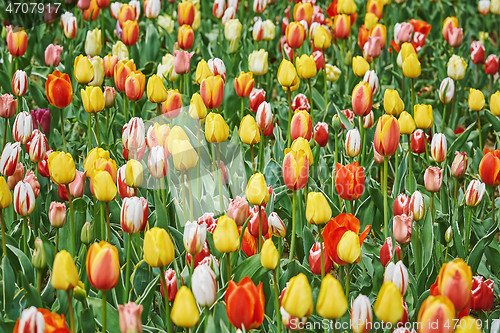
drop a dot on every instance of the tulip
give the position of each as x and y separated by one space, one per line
121 71
23 127
301 125
264 116
59 90
397 274
177 133
171 107
389 307
393 104
243 84
17 41
342 26
258 30
387 136
185 37
185 13
372 79
109 97
217 67
386 251
447 90
269 257
306 66
342 242
43 168
360 66
182 61
433 179
92 157
362 98
103 266
318 209
249 132
332 303
287 76
438 310
455 37
204 285
67 275
218 8
468 324
303 11
184 156
456 67
92 12
24 198
257 96
254 224
8 106
83 69
482 294
411 66
475 193
120 50
158 248
232 31
109 63
134 85
361 314
403 33
238 210
332 73
295 35
157 162
495 103
252 296
423 116
349 181
93 43
126 13
448 25
130 317
69 26
459 165
57 214
61 167
321 134
257 62
489 168
134 215
194 237
256 190
439 148
92 99
315 259
322 38
455 282
401 205
32 180
297 300
37 146
476 100
495 7
212 92
406 123
19 83
226 237
98 66
103 185
483 6
353 143
477 52
295 169
216 129
124 191
373 47
152 8
417 206
402 228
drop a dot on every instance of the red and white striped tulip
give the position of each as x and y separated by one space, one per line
397 274
124 191
24 199
133 135
264 116
23 127
417 208
475 193
353 142
10 158
439 147
134 215
194 236
157 162
38 146
19 83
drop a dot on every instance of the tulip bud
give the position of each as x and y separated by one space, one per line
301 102
397 274
184 310
433 178
475 192
336 123
332 73
353 143
455 37
264 116
439 148
321 135
361 314
447 90
297 300
418 141
483 6
87 234
482 294
417 208
20 83
423 116
204 285
387 251
24 198
359 66
448 235
39 260
79 292
276 226
194 237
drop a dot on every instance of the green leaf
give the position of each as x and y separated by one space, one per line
427 238
478 250
348 125
9 283
32 296
459 142
248 267
38 95
146 298
112 323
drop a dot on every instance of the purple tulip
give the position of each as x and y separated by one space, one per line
43 118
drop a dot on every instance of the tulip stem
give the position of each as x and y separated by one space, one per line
325 87
418 255
467 231
242 112
127 274
386 218
191 208
277 299
311 99
133 108
493 206
89 132
362 136
198 167
426 150
191 269
396 169
221 197
288 134
104 308
25 237
228 263
57 240
183 190
4 244
444 117
98 134
61 115
410 157
70 310
479 129
294 225
125 110
253 158
260 230
108 224
5 125
347 281
102 221
72 223
412 97
432 207
261 151
167 304
39 280
322 253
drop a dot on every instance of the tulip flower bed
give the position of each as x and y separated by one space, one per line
252 165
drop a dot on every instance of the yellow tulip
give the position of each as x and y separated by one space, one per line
393 104
104 186
297 300
92 99
406 50
202 71
256 191
495 104
360 66
98 65
83 69
476 100
456 67
468 324
226 236
411 66
184 310
318 209
257 62
184 156
332 73
306 66
347 7
348 248
269 256
64 273
93 42
423 116
322 38
197 108
371 20
92 156
61 167
156 91
406 123
331 303
216 129
158 248
287 76
389 306
5 194
134 173
177 133
303 144
249 131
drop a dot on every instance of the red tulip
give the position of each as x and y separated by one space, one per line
477 52
349 181
301 102
482 294
401 205
491 65
257 96
489 168
315 259
418 141
387 135
321 134
10 158
386 251
245 304
171 280
17 41
253 224
342 26
205 252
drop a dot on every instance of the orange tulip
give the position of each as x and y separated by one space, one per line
122 70
59 90
295 35
362 36
17 41
436 314
185 13
455 282
245 304
248 243
92 10
362 99
387 135
295 169
109 63
134 85
130 33
103 266
349 181
185 37
376 7
342 240
303 11
126 13
53 322
172 106
489 168
212 91
379 31
301 126
342 26
243 84
449 24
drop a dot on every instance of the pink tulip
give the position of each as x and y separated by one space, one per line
404 33
57 214
109 96
402 228
83 4
433 179
238 210
8 106
16 177
401 205
130 317
76 188
31 179
182 61
455 37
459 165
374 48
491 65
53 55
